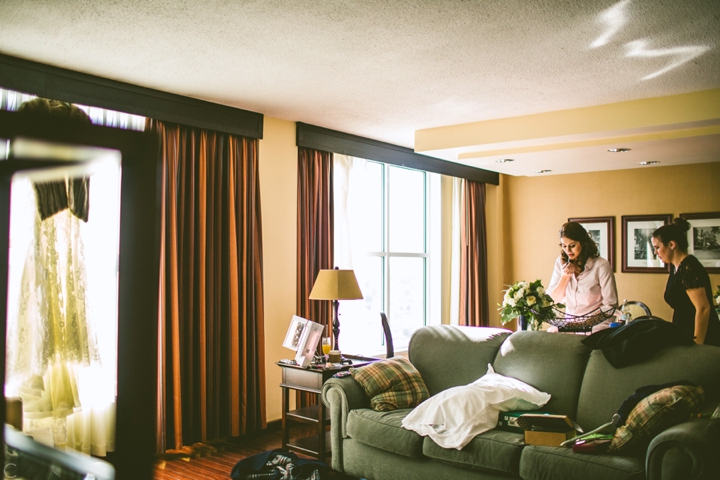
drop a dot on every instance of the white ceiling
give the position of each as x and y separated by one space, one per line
385 69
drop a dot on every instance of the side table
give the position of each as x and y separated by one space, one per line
310 379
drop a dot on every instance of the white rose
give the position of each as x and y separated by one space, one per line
520 293
531 300
541 291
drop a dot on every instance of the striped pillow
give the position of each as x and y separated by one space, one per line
391 384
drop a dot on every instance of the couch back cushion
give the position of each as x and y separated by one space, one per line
449 356
551 362
606 387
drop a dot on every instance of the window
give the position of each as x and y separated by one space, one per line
387 230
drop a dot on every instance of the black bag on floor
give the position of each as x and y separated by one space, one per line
278 464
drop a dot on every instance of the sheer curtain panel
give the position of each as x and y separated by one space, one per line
211 363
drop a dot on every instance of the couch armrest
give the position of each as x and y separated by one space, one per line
690 450
341 395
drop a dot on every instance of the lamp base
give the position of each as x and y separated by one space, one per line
336 324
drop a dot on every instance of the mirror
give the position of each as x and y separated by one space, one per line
106 267
61 332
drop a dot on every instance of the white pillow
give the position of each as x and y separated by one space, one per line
453 417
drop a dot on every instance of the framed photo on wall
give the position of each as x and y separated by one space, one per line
638 255
602 231
704 239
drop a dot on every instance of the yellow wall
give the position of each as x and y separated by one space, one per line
523 218
278 191
534 208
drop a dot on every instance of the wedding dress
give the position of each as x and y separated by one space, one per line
49 335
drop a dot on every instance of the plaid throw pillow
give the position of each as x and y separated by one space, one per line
655 413
391 384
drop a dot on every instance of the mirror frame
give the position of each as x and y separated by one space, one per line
138 274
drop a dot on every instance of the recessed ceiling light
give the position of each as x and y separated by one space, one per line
543 171
504 160
618 150
653 162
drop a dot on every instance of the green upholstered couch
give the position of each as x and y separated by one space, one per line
583 385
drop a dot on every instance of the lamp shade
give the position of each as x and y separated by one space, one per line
336 285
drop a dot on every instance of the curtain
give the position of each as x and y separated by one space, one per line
345 204
352 179
457 187
315 217
11 100
211 341
473 263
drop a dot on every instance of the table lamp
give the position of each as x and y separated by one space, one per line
336 285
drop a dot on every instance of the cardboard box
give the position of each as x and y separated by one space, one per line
546 430
548 439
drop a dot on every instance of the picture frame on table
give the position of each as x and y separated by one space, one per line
602 231
294 332
704 239
303 336
638 255
308 344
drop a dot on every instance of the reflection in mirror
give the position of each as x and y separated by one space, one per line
61 355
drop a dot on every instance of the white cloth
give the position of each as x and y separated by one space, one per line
453 417
592 289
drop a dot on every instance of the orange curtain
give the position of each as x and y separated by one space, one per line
315 242
211 339
473 260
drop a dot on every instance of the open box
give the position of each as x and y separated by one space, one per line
547 430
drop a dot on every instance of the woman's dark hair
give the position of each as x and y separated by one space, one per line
575 231
674 232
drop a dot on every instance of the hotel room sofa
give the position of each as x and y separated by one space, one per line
374 445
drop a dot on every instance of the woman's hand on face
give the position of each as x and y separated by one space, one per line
569 269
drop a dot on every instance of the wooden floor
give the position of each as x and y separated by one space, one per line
218 465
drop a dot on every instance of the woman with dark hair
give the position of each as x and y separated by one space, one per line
688 289
581 279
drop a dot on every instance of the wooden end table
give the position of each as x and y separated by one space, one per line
311 380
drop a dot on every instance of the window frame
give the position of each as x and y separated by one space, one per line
386 254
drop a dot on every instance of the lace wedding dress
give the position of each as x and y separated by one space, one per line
49 335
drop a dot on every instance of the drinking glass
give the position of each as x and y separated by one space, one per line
326 345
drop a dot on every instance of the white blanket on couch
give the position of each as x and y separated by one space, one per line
453 417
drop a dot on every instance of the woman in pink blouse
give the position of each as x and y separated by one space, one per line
581 279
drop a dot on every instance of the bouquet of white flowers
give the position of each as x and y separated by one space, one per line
530 301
